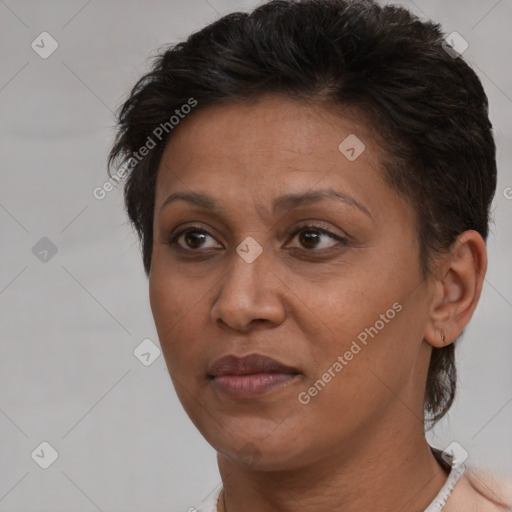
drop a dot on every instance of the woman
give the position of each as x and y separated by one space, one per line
311 184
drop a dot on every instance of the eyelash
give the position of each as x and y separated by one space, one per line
308 227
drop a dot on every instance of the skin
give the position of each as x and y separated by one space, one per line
360 441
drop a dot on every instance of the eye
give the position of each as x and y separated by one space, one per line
194 238
311 235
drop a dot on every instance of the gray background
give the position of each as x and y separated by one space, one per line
70 325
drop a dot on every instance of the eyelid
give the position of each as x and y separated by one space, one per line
318 226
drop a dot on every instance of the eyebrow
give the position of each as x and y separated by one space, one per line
283 203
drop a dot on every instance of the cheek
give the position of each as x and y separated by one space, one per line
173 314
366 340
169 294
354 381
163 301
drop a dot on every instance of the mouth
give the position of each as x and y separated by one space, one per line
250 376
253 385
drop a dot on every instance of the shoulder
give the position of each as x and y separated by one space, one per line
481 491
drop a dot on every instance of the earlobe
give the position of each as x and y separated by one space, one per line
457 289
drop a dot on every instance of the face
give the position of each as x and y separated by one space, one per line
330 286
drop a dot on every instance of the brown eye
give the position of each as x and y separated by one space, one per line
194 238
311 236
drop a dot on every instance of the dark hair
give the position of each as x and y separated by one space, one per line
428 105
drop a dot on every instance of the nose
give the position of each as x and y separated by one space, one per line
250 295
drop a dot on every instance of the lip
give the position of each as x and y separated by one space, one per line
250 376
247 365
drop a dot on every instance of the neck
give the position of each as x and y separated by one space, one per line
376 474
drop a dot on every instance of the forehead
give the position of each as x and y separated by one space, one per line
250 151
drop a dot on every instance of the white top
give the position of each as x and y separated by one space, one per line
437 505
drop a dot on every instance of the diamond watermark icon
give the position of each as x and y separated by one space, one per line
44 250
249 453
249 249
351 147
44 45
454 454
45 455
455 45
147 352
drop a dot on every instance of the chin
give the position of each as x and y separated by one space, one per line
273 453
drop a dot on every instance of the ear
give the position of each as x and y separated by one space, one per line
457 284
